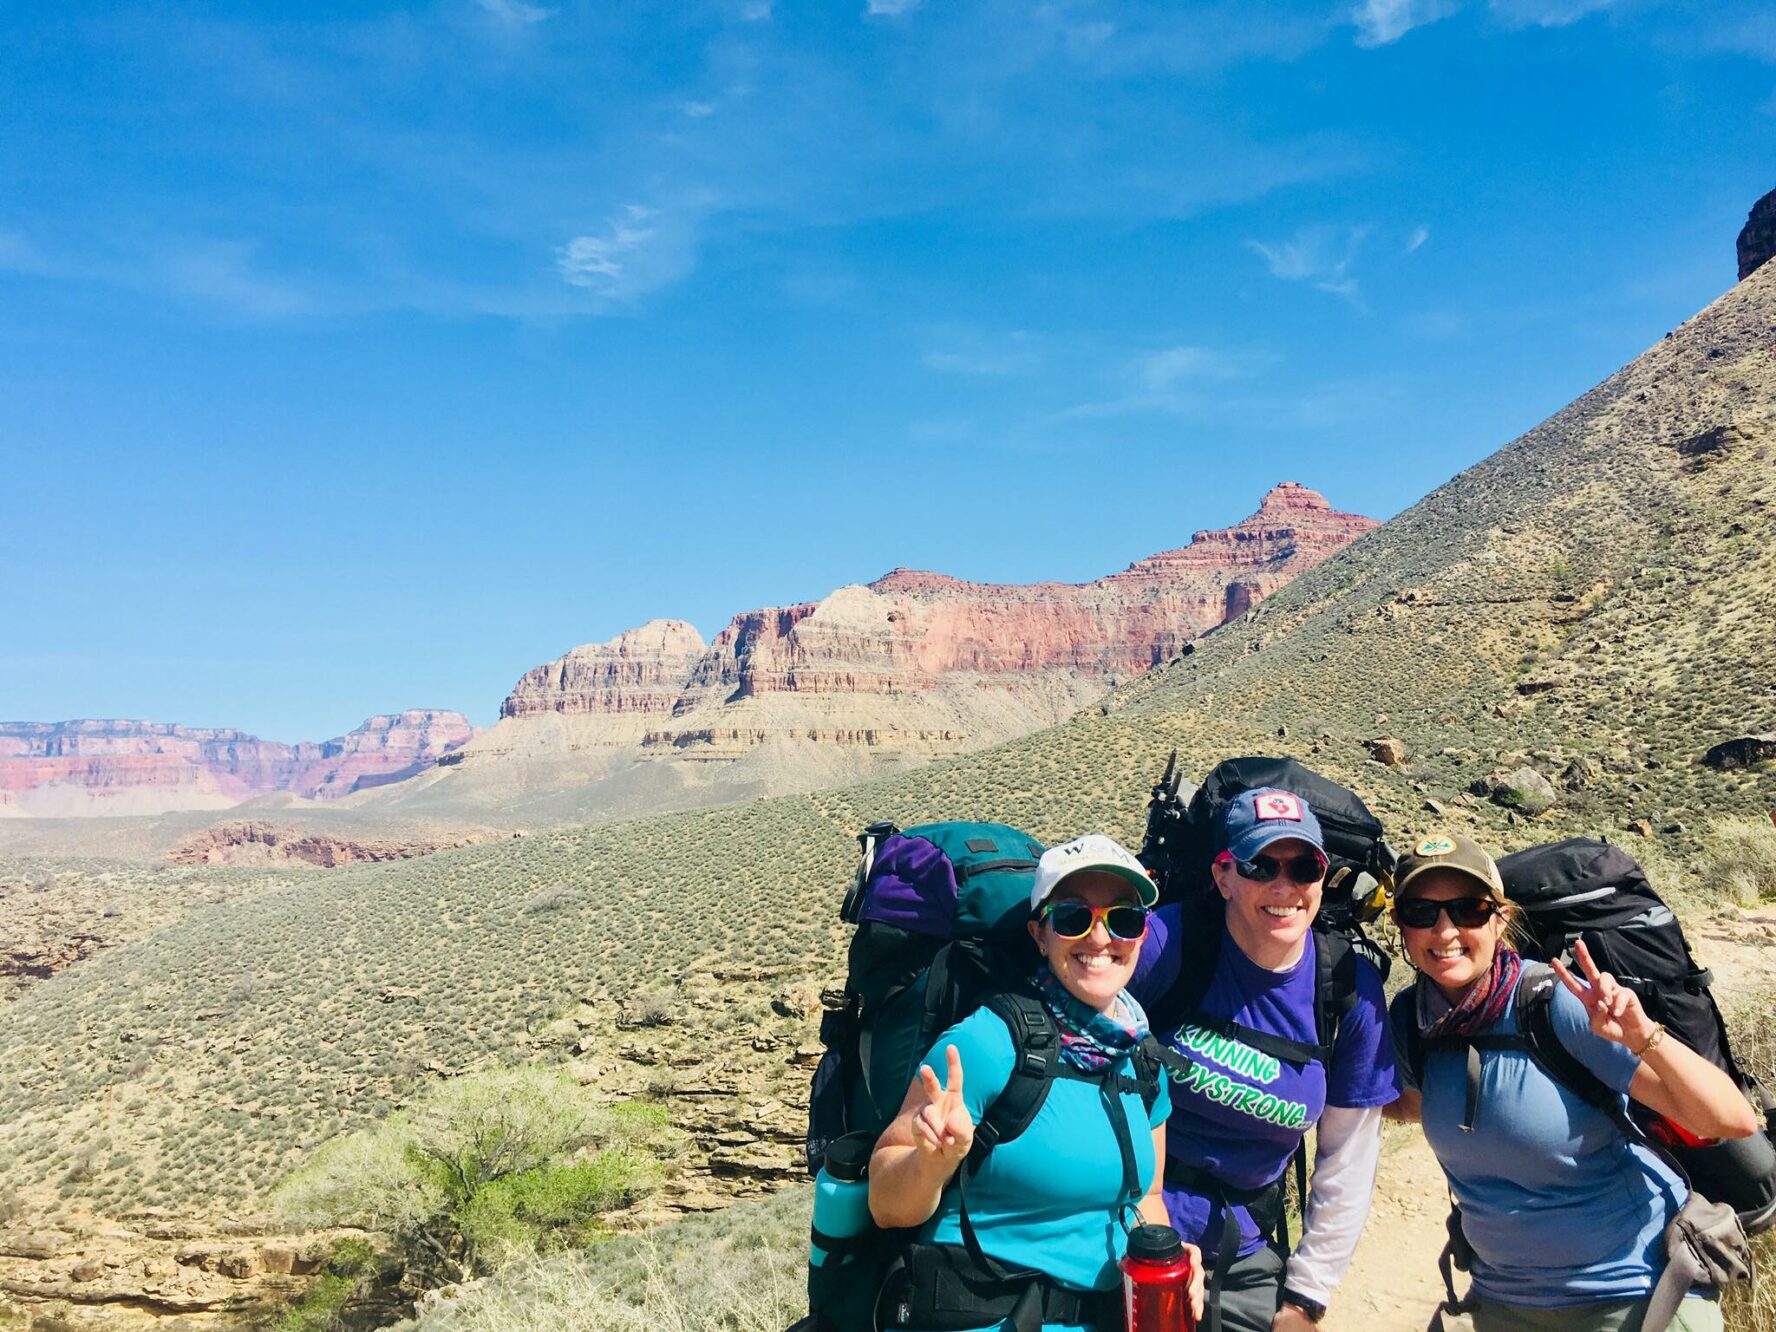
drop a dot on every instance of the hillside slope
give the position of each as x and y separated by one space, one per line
1598 590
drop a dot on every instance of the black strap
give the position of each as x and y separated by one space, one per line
938 1287
1266 1204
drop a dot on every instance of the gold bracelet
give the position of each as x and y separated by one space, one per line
1652 1042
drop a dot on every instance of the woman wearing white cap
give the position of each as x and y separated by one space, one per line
1565 1214
1040 1221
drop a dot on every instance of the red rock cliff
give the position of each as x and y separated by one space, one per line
136 767
911 632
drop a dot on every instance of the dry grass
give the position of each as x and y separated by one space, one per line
1753 1308
740 1270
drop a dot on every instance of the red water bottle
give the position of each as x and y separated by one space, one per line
1156 1282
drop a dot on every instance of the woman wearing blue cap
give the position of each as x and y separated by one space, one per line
1280 1030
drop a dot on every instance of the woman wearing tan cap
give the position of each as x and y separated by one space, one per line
1564 1212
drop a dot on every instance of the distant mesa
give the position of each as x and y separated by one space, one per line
72 768
1757 241
912 667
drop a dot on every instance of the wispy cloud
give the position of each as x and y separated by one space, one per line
1319 256
1163 369
969 353
1545 13
1183 380
517 13
891 7
1418 237
1380 22
640 250
756 11
697 110
224 274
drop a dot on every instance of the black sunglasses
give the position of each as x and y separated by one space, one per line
1301 869
1420 913
1074 920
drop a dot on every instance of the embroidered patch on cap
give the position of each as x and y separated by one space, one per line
1434 846
1279 805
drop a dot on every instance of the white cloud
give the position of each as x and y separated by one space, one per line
517 13
1161 370
1418 237
640 250
1382 21
224 275
1319 256
1544 13
972 354
891 8
755 11
697 110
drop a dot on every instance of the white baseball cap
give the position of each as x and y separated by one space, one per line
1094 851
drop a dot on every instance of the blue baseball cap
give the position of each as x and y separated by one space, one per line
1252 820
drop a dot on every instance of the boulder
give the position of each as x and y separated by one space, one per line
1741 752
1757 241
1386 751
1521 790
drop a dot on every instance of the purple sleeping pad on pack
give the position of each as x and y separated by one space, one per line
912 886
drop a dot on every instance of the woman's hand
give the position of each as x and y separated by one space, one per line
1613 1009
1196 1282
942 1128
1290 1319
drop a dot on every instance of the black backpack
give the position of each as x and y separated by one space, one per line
1584 889
1178 849
1739 1173
940 913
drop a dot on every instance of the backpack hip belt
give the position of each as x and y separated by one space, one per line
940 1287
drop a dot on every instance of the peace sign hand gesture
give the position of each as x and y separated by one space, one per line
1613 1009
942 1128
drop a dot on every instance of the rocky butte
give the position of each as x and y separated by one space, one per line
59 769
912 667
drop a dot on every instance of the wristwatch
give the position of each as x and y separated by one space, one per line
1314 1310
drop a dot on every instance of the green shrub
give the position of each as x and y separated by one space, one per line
487 1168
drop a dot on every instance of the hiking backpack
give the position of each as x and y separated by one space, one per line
1178 849
1584 889
1715 1248
940 914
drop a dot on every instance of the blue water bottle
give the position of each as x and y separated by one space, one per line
841 1198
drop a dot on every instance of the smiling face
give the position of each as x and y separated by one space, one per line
1450 956
1270 921
1096 968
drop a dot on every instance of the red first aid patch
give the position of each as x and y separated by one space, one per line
1279 805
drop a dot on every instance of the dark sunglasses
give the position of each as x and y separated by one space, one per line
1301 869
1420 913
1074 920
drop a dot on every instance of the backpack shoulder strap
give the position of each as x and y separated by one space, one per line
1200 927
1036 1049
1408 1039
1535 1021
1335 985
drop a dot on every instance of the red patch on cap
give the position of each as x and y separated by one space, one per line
1279 805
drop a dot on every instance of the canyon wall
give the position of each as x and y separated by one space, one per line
911 667
69 768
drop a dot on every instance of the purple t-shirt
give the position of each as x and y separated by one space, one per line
1241 1113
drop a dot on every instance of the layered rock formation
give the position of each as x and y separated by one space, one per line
1757 241
134 767
911 667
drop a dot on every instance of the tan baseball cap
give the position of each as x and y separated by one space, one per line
1440 850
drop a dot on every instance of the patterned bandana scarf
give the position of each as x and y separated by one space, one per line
1090 1040
1482 1005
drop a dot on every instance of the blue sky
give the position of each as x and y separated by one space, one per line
363 357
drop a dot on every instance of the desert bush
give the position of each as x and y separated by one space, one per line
1753 1308
1739 861
486 1169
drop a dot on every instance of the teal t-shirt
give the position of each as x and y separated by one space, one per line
1051 1198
